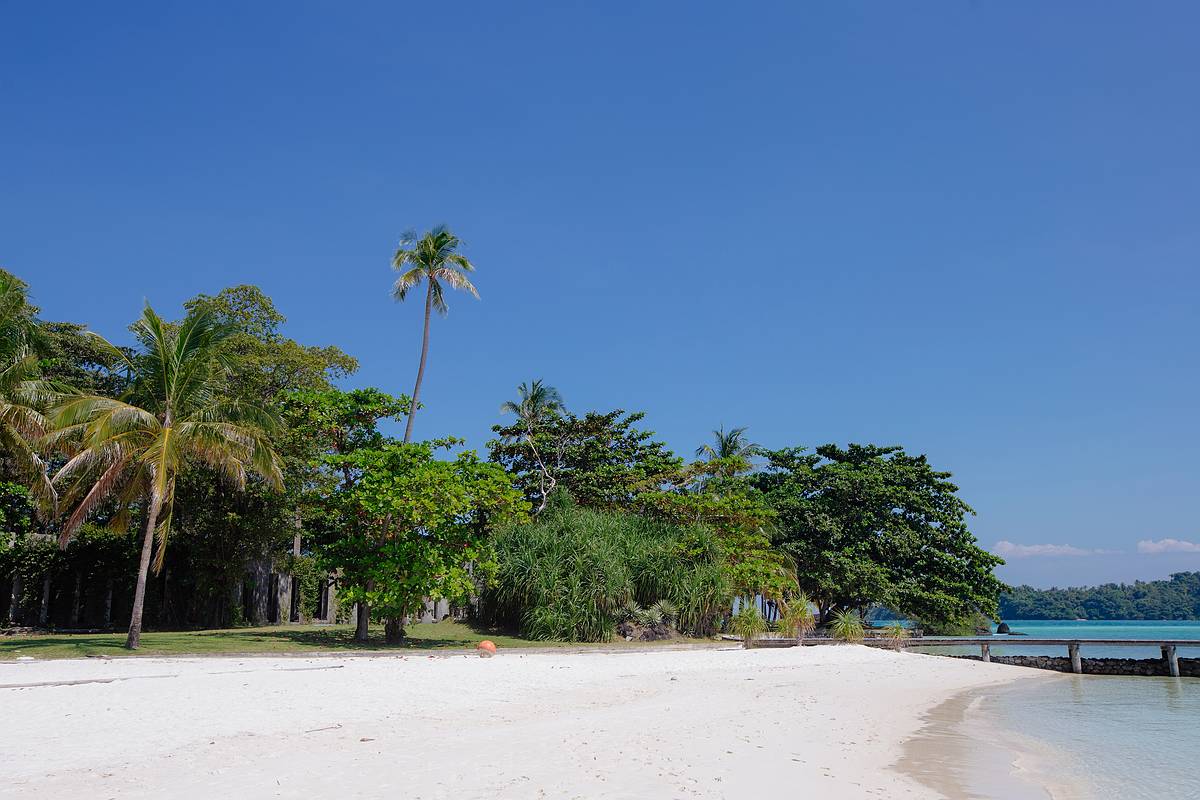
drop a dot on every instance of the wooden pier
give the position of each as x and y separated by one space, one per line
1168 647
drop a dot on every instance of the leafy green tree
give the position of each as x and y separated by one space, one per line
874 525
602 459
71 356
1176 598
264 365
416 526
133 452
434 259
224 536
538 405
335 424
738 512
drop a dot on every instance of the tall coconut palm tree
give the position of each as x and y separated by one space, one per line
538 402
24 396
434 259
131 451
731 447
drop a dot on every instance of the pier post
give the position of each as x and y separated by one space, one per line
1172 660
986 650
1076 662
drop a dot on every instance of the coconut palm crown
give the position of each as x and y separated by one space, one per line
538 402
130 451
732 448
433 259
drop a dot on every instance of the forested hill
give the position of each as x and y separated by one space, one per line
1177 598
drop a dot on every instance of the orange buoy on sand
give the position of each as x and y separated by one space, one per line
486 648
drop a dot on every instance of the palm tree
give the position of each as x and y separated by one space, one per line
23 394
538 403
731 447
433 258
131 452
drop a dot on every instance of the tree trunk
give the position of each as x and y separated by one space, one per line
77 604
394 630
362 631
108 603
14 606
44 612
139 594
421 367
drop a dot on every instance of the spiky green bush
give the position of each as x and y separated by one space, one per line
847 626
797 618
572 574
749 624
667 611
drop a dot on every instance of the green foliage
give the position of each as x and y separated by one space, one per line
896 633
967 625
730 451
739 514
24 394
797 619
574 572
263 364
1176 598
603 460
874 525
413 526
749 624
847 626
666 611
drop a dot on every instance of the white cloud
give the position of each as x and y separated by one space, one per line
1152 547
1010 550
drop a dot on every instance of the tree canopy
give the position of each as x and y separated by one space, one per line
874 525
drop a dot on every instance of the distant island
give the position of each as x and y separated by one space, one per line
1176 598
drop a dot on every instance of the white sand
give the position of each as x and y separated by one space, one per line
819 722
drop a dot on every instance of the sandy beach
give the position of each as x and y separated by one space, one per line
820 722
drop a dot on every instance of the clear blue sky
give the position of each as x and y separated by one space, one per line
968 228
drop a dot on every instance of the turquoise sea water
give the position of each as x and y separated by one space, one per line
1122 738
1099 629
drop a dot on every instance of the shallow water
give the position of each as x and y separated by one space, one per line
1070 736
1124 738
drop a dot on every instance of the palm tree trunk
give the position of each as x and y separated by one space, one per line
395 626
421 367
139 594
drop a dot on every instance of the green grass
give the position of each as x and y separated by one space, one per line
275 639
292 639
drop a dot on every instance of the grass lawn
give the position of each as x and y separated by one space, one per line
275 639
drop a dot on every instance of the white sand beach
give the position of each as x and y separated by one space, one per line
821 722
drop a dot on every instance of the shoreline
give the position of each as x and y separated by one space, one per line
704 723
965 753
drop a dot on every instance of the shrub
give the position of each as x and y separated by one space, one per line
797 618
847 626
896 633
749 624
572 574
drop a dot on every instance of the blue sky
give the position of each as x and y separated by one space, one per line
967 228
